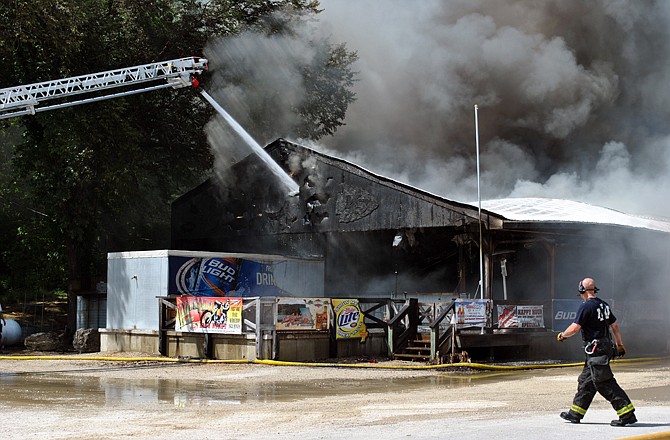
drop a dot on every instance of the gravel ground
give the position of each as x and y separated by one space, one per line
93 399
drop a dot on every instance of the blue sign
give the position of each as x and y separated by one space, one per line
565 312
221 277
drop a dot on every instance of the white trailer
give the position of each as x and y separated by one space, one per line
135 280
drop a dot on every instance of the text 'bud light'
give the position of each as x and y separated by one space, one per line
217 276
561 314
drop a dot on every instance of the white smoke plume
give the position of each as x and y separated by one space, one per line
256 79
572 97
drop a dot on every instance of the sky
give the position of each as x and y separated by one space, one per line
572 96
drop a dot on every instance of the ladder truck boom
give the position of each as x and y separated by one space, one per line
26 99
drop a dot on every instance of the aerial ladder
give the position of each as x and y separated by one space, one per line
32 98
182 72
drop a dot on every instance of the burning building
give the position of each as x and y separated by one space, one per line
380 238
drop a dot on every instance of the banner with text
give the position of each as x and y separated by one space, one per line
349 320
236 277
209 315
303 313
473 312
565 312
529 316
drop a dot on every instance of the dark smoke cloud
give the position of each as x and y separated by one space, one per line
572 97
572 100
573 103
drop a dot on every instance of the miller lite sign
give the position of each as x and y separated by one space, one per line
349 320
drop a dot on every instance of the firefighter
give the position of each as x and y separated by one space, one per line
594 319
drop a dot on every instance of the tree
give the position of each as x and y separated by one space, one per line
328 80
103 175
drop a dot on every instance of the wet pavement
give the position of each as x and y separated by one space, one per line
62 388
86 391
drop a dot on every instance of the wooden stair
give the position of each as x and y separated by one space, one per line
417 350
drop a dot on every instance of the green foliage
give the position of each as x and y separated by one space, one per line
328 80
18 298
79 182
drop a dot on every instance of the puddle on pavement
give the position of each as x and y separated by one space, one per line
56 389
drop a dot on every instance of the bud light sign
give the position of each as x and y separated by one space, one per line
565 312
221 277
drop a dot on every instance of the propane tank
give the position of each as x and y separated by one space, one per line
11 333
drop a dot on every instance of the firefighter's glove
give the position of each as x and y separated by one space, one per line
620 349
561 338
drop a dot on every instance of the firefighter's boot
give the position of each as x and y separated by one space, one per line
628 419
570 417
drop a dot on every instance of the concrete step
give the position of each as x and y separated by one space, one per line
411 357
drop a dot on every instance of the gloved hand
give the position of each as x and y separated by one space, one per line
621 350
561 338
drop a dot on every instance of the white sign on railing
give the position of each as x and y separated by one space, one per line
473 312
510 316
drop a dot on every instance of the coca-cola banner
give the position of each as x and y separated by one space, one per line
303 313
209 315
349 320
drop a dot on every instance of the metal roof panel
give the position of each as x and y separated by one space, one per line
568 211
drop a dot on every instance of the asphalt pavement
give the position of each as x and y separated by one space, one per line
653 423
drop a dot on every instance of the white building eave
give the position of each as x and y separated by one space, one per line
542 210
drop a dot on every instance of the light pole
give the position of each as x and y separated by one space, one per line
479 201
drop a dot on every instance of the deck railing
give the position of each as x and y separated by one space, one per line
259 315
399 319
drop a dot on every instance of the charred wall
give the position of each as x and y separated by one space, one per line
340 212
368 263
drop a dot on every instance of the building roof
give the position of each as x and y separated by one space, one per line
536 210
521 210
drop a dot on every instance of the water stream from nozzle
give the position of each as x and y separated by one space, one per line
284 178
